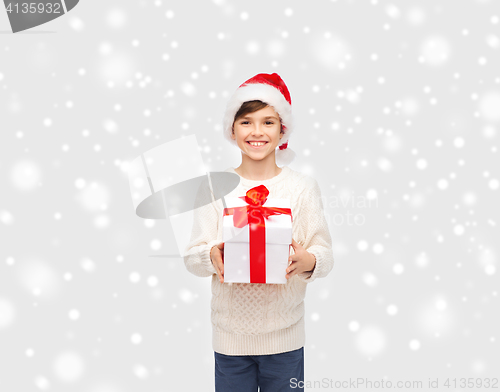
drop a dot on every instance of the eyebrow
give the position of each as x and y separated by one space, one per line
265 118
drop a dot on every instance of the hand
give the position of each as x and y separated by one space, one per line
217 258
302 260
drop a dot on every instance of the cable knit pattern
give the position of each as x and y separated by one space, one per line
261 319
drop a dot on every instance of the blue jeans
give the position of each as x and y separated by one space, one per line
272 373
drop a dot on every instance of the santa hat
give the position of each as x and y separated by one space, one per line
271 89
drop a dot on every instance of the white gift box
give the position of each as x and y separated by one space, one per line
278 239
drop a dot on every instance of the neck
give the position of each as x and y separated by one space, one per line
264 169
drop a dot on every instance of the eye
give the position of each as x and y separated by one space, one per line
243 122
269 122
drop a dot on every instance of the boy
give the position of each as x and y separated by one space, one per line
258 331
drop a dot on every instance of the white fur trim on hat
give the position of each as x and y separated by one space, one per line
265 93
284 157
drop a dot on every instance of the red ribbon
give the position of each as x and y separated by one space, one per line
253 215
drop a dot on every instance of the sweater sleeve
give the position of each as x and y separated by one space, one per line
317 239
204 236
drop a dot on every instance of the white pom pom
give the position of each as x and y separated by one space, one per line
284 157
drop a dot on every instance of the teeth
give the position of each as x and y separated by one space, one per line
257 144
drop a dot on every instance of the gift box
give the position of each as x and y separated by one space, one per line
257 235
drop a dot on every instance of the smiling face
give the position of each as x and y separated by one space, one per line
261 126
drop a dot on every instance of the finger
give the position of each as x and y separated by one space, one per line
216 266
292 270
292 266
221 266
221 249
221 269
218 274
217 269
290 274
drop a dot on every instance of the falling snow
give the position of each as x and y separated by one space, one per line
398 117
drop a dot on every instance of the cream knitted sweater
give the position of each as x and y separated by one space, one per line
259 319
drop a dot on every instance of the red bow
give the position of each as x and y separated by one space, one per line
253 215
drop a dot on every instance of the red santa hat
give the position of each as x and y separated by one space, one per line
271 89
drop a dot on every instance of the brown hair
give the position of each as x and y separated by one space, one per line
250 107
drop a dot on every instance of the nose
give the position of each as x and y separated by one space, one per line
257 130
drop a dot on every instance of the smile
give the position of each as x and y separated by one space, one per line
257 145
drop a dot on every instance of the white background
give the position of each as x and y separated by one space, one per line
397 106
